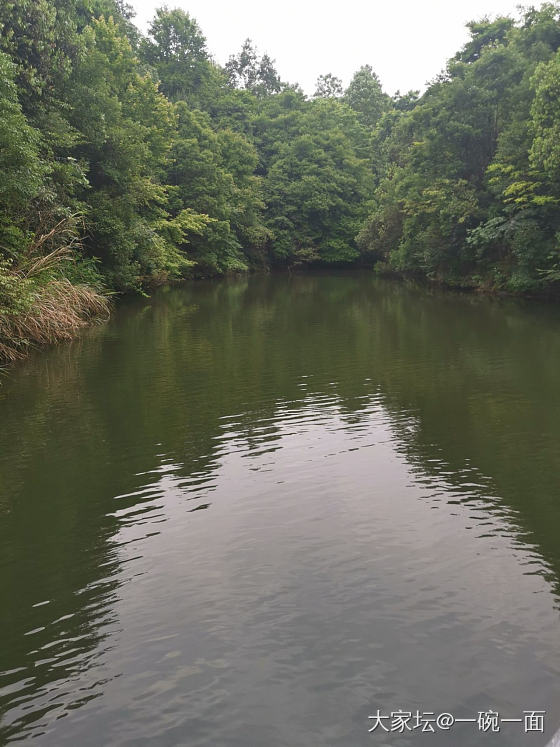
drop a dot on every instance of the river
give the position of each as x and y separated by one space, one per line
258 511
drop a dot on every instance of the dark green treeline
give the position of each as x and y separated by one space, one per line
134 159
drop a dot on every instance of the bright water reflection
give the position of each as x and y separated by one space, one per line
252 512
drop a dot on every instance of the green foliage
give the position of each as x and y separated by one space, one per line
317 185
124 141
468 177
179 166
545 121
213 173
21 169
365 96
484 34
246 70
176 48
328 86
16 291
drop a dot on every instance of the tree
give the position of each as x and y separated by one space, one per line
176 48
123 144
545 120
468 174
246 70
365 96
21 170
213 174
484 34
328 86
317 186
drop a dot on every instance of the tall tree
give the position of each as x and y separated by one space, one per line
328 86
176 48
365 96
258 75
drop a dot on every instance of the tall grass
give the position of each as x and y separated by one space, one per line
38 303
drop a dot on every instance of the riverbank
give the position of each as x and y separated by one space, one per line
39 313
35 311
481 287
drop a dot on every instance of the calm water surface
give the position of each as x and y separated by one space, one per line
253 512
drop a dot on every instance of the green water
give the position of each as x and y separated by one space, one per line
254 511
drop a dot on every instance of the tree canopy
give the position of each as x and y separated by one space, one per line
166 164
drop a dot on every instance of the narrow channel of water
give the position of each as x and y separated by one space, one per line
255 511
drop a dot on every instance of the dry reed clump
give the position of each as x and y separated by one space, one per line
46 308
58 311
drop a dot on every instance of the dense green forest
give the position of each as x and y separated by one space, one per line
129 160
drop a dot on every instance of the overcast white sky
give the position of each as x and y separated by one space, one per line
405 41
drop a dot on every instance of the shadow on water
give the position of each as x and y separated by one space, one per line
92 429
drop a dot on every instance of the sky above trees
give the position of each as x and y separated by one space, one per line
405 41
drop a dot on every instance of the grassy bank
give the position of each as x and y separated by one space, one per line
48 295
57 312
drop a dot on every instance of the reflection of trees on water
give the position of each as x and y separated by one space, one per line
171 379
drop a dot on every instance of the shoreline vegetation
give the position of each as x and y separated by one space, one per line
128 161
41 304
